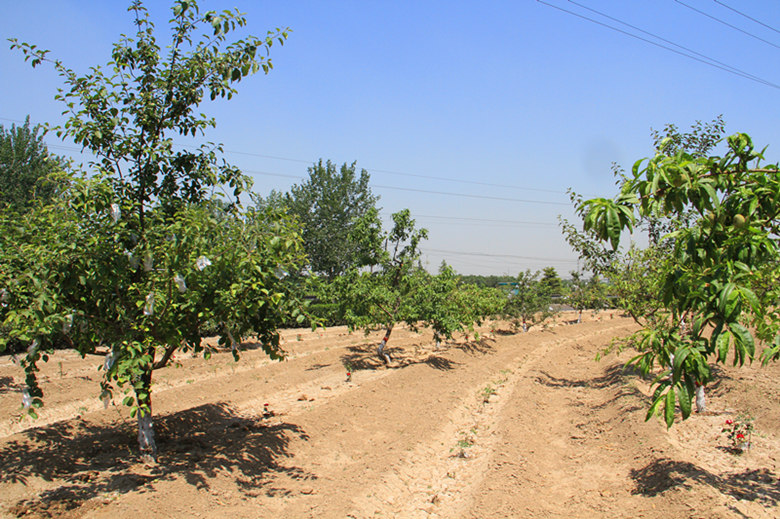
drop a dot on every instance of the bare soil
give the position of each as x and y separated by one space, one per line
510 425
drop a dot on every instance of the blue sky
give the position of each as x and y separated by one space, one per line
507 104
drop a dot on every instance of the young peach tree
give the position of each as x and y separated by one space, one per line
720 291
139 259
380 296
393 287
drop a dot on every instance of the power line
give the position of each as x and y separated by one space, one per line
492 255
428 191
727 24
416 175
466 195
747 16
482 220
431 177
713 60
700 60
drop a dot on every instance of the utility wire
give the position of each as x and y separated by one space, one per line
466 195
483 220
431 177
706 62
491 255
379 186
727 24
389 172
301 177
713 60
747 16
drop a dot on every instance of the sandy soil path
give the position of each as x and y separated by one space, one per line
515 425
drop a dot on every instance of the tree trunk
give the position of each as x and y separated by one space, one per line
381 348
146 442
701 401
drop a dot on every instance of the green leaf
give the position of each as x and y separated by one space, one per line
685 400
722 345
669 407
654 407
751 298
743 341
728 302
679 359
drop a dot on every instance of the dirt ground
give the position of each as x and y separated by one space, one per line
512 425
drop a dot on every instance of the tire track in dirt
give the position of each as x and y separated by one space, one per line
435 482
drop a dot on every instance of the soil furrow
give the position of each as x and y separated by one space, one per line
438 482
544 431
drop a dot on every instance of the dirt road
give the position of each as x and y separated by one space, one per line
512 425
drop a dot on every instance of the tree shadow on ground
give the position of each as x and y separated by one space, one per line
614 375
365 357
315 367
196 444
7 385
482 346
757 485
504 331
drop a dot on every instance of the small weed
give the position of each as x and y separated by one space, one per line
190 381
487 392
464 443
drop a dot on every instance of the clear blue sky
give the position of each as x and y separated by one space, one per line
516 94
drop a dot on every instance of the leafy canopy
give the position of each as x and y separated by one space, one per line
143 258
722 269
330 204
26 167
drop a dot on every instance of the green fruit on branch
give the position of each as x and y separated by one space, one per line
739 221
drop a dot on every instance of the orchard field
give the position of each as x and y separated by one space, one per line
510 425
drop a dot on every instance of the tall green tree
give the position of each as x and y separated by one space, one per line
26 167
329 204
138 258
551 282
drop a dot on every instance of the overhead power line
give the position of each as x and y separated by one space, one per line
491 255
467 195
416 175
429 191
747 16
727 24
430 177
482 220
707 61
739 72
